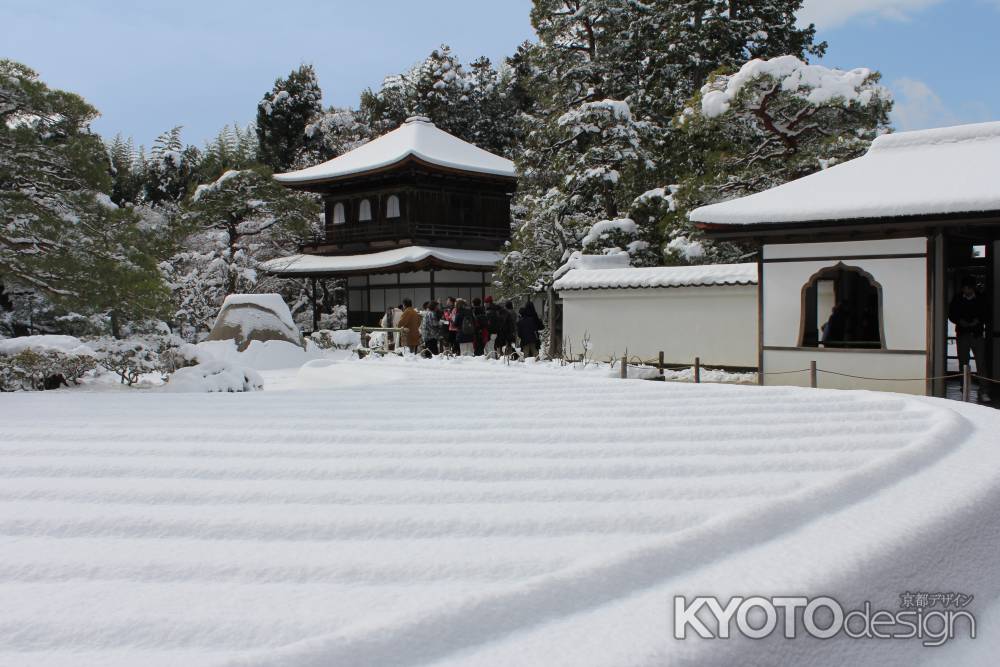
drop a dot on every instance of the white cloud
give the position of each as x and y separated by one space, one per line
832 13
918 107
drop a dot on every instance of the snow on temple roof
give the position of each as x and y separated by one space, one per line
417 137
928 172
387 259
659 276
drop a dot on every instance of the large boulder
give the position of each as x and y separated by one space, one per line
245 318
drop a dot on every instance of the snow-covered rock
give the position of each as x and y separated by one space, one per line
214 376
245 318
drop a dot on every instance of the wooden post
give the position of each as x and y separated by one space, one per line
697 369
966 383
624 368
812 374
659 364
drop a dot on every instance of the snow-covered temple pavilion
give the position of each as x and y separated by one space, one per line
879 245
415 213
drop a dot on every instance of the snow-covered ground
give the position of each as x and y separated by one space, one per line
463 512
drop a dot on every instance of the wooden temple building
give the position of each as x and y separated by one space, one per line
416 213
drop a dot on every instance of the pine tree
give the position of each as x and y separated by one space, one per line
773 121
648 57
63 237
282 117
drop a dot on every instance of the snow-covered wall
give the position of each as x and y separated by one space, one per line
899 266
717 323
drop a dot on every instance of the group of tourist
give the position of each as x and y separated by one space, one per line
482 327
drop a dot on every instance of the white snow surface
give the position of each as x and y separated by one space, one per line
417 137
212 376
350 514
261 355
924 172
658 276
306 264
46 342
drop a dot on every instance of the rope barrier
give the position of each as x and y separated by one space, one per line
862 377
802 370
983 377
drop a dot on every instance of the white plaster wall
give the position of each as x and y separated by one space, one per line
903 281
846 248
899 367
904 314
718 324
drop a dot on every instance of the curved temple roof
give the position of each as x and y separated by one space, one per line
387 261
417 137
952 170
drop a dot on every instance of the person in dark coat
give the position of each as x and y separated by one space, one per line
465 324
527 332
506 330
482 327
968 312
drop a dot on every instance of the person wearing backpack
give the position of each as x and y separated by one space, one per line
506 330
527 331
482 333
465 323
492 325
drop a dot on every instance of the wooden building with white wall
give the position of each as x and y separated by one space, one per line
885 238
416 213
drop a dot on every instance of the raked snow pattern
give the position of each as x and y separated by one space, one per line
348 522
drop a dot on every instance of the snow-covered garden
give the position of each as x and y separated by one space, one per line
463 511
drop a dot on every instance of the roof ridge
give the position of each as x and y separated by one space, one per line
938 135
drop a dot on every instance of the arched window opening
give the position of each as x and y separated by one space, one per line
365 211
339 216
392 207
842 308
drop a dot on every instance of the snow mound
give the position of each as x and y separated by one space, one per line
260 355
46 343
245 318
214 376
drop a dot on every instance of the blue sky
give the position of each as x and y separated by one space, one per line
151 65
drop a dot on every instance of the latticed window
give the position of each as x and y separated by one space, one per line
365 211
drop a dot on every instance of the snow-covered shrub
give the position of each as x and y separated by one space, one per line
344 339
215 376
129 359
174 357
37 369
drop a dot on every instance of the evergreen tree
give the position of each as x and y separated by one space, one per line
473 104
127 173
770 122
282 117
649 57
62 236
171 170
